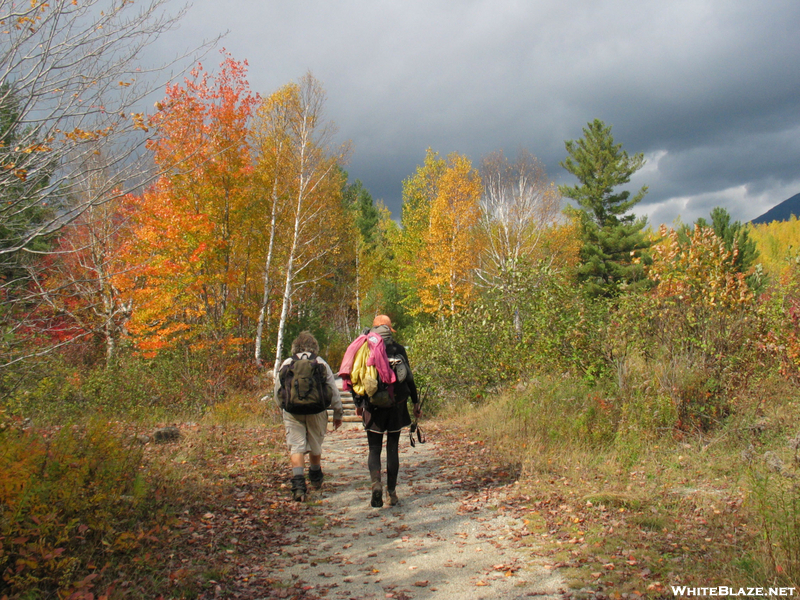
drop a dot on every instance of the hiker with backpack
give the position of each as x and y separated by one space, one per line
304 389
382 405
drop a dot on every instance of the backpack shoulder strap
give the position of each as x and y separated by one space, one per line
285 367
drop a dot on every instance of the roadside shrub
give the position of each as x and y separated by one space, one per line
68 501
53 391
239 408
547 325
547 414
466 357
47 387
693 338
565 329
781 308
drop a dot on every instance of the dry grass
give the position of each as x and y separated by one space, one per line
621 509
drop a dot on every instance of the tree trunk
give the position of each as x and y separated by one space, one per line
287 288
358 284
262 313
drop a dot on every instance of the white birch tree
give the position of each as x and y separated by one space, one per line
519 204
315 201
77 71
272 129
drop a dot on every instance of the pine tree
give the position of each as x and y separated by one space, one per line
611 237
730 231
366 215
364 218
32 170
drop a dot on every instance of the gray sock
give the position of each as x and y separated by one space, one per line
297 471
315 467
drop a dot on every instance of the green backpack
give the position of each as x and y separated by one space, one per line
303 389
382 398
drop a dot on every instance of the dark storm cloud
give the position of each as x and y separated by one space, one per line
708 90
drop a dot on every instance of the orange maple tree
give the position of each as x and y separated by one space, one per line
190 255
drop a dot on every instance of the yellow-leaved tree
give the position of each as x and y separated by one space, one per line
778 245
271 138
700 314
314 211
438 248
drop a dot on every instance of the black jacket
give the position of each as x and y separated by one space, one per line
395 417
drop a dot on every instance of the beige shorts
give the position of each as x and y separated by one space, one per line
304 433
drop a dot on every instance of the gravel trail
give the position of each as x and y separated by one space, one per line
445 540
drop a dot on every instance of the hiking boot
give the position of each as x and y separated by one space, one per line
393 499
315 478
377 495
299 488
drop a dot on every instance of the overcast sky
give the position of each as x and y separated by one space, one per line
708 90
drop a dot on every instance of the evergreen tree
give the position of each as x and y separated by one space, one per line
356 197
611 237
375 286
19 217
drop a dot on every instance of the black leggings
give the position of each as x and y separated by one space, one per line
392 457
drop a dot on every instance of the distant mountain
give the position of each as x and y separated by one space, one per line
781 212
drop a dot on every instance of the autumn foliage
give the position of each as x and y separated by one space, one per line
251 232
71 501
170 295
188 259
439 247
699 273
176 297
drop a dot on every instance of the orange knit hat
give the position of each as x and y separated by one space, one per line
382 320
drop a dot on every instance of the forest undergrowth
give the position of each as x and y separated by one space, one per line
102 508
96 510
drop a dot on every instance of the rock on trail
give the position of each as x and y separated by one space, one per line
443 541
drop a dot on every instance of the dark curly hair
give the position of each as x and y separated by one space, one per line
305 342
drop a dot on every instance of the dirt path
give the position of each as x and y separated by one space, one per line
447 539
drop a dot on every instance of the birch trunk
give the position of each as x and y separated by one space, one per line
358 283
304 139
273 127
311 165
262 313
287 288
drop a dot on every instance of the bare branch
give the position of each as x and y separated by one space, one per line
74 75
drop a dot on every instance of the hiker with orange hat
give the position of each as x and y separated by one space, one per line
389 420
